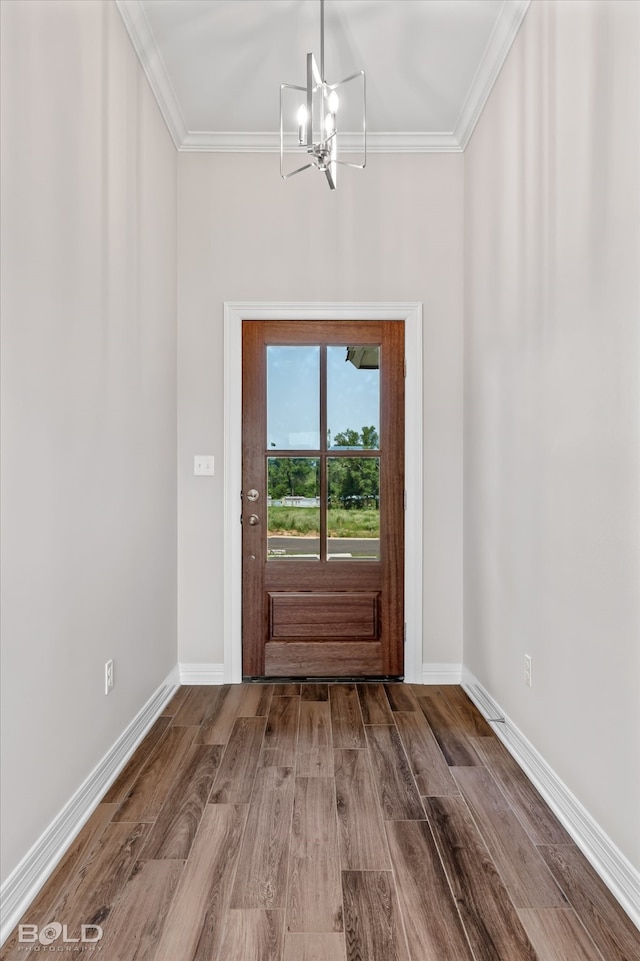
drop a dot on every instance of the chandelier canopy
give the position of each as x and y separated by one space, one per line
309 124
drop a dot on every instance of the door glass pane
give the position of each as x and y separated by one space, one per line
353 397
353 514
293 398
293 508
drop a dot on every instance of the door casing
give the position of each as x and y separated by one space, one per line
234 314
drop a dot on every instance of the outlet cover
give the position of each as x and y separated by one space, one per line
108 676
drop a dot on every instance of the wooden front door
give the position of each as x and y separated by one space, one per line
323 499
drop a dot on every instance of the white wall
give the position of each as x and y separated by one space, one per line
88 401
552 338
390 233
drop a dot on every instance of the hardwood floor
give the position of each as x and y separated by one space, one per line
327 822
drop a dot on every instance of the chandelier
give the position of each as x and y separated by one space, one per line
315 130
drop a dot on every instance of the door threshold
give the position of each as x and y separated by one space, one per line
342 679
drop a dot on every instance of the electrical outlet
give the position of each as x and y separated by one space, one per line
108 676
527 670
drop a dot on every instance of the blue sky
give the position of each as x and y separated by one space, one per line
293 396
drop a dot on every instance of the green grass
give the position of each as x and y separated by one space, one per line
365 523
295 520
305 521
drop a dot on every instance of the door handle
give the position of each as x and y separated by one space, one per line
253 520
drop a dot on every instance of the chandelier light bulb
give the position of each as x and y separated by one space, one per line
302 124
333 102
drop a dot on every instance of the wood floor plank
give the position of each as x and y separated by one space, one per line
399 798
197 704
372 925
432 923
609 927
234 779
456 747
80 850
314 947
315 753
216 727
346 717
374 704
429 767
176 702
360 827
558 935
314 692
286 690
255 700
40 911
149 791
401 697
525 875
120 787
193 928
252 935
261 875
432 690
136 924
96 887
281 734
540 823
314 899
488 915
172 834
227 877
470 720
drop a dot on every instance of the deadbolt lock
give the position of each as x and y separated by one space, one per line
252 495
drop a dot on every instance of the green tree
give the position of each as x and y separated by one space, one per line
292 476
352 482
367 438
370 438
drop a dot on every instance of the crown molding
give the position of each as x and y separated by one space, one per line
504 33
507 25
144 44
266 142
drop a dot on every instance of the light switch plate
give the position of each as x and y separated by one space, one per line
203 465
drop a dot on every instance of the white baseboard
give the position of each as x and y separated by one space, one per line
620 876
201 673
24 882
441 673
214 673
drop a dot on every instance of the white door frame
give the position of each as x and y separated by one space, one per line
234 314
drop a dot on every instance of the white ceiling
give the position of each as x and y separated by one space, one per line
216 66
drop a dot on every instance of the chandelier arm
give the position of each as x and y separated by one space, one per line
354 76
298 171
348 163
